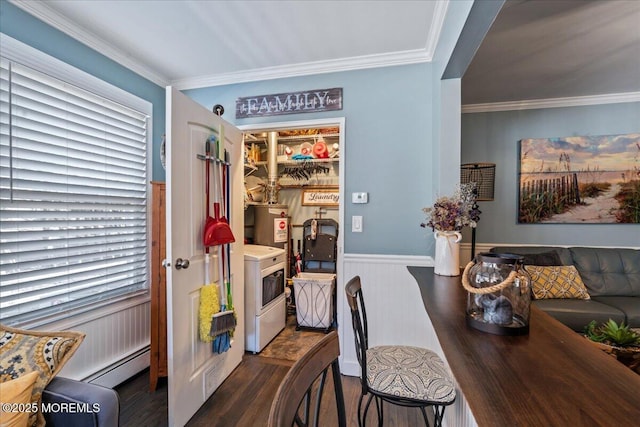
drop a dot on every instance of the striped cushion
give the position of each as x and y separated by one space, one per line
409 372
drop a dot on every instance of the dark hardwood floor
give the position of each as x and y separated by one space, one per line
244 400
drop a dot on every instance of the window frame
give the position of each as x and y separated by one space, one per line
16 51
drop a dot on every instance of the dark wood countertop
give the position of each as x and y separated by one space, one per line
550 377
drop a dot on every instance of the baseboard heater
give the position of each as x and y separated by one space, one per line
122 370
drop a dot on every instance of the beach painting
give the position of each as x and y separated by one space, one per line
580 179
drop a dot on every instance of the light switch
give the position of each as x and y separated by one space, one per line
356 224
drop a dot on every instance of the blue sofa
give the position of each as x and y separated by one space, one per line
611 275
103 402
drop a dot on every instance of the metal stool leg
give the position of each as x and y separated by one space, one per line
438 412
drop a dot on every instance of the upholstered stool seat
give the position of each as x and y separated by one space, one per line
410 373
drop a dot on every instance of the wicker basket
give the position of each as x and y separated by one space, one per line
630 356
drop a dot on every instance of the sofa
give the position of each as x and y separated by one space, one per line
93 405
611 277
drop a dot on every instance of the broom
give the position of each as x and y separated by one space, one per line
227 204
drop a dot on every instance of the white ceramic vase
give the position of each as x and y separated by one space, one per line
447 262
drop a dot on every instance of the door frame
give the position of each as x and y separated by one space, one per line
334 121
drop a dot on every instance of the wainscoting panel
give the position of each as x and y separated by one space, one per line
112 340
392 298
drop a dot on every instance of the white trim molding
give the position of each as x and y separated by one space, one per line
418 260
532 104
305 69
46 14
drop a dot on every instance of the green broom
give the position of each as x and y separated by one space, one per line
227 204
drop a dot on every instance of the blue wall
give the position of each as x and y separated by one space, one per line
24 27
387 150
493 137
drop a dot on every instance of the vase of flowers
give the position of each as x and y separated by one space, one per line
447 217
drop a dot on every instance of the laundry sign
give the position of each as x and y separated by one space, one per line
310 101
321 196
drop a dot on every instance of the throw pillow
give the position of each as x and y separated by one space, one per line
16 397
24 351
557 282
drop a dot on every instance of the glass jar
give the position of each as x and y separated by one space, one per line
499 298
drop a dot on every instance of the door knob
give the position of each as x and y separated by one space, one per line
182 263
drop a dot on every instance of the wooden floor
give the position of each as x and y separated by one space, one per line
244 399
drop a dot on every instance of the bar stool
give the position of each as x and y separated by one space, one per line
401 375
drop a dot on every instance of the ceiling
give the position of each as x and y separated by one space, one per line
539 49
536 49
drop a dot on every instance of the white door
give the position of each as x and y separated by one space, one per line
194 370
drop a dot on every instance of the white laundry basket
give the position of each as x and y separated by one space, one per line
314 299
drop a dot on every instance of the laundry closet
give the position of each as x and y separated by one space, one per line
291 201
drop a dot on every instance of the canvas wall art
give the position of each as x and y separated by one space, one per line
580 179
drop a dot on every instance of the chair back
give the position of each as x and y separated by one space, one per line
353 289
304 385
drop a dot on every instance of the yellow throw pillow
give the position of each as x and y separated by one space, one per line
23 351
557 282
16 400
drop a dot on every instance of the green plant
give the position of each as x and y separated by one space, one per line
613 334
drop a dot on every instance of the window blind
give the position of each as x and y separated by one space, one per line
73 198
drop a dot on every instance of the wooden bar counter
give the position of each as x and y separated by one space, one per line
550 377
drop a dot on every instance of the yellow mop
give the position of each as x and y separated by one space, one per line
209 305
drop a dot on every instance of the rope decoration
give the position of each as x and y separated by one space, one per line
491 289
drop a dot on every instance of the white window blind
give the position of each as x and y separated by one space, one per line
73 195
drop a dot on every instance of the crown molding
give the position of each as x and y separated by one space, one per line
305 69
40 10
439 15
48 15
532 104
